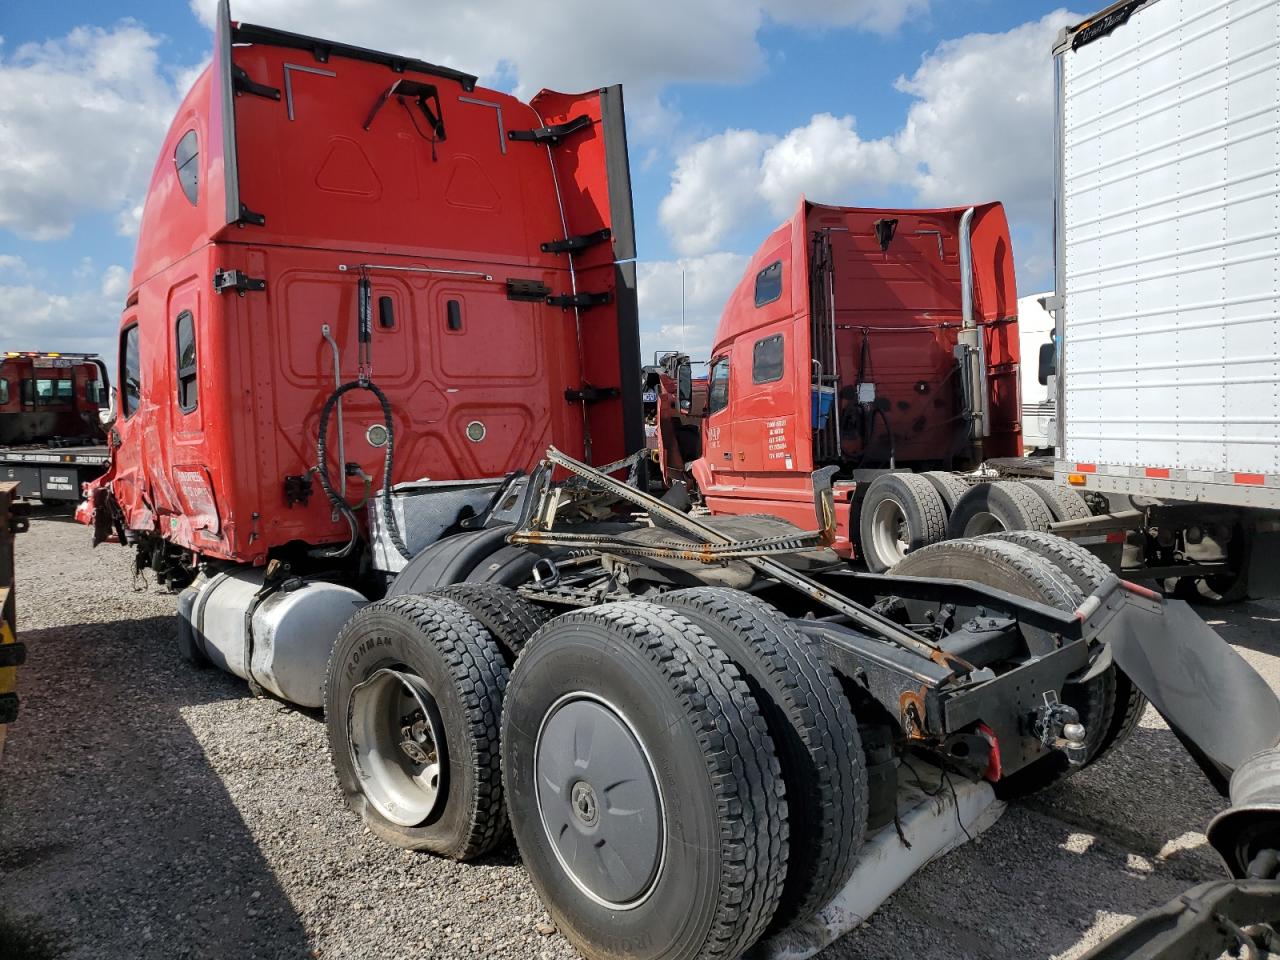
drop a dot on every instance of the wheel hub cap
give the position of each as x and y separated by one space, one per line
599 801
393 732
584 803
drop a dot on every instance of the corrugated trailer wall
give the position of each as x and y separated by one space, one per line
1169 243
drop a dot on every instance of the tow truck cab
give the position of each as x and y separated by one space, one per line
854 340
48 397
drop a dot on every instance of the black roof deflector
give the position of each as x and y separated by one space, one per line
322 50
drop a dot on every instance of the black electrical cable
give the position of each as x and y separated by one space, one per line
322 470
893 449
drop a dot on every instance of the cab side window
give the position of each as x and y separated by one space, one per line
185 341
186 162
718 391
769 283
767 360
4 391
130 371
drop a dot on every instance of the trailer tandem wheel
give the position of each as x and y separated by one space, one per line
813 730
900 513
645 795
1019 570
413 699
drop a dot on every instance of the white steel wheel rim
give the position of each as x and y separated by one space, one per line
601 808
394 736
890 531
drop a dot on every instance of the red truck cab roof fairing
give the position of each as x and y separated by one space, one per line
295 166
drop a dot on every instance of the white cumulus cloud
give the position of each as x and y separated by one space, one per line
32 317
825 158
572 45
980 128
681 301
715 182
83 117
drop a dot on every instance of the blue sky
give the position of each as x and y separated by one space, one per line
734 109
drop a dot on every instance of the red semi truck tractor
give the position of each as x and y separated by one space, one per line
883 343
379 372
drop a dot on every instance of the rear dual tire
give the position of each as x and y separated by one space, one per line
413 699
901 512
672 841
996 506
1018 569
1088 573
813 731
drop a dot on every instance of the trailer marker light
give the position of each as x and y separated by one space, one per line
1077 479
1086 468
1117 537
1158 473
1251 479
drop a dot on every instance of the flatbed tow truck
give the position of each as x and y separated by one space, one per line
356 268
52 438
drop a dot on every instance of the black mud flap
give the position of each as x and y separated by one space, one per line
1216 704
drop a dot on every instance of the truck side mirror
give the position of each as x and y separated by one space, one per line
1048 363
684 387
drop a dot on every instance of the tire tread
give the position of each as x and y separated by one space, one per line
745 773
480 675
819 745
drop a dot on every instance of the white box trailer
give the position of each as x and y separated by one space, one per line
1168 284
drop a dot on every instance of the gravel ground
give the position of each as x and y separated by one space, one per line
148 810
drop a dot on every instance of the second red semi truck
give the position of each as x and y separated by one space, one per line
379 378
881 342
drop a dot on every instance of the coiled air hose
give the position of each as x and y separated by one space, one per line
335 498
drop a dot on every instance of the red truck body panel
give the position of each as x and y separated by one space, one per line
896 313
308 163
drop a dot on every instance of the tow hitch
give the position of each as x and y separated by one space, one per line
1059 728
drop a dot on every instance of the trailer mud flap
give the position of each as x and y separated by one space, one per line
1215 703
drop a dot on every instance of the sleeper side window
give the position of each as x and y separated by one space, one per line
769 284
766 360
130 371
4 391
185 341
718 391
186 161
